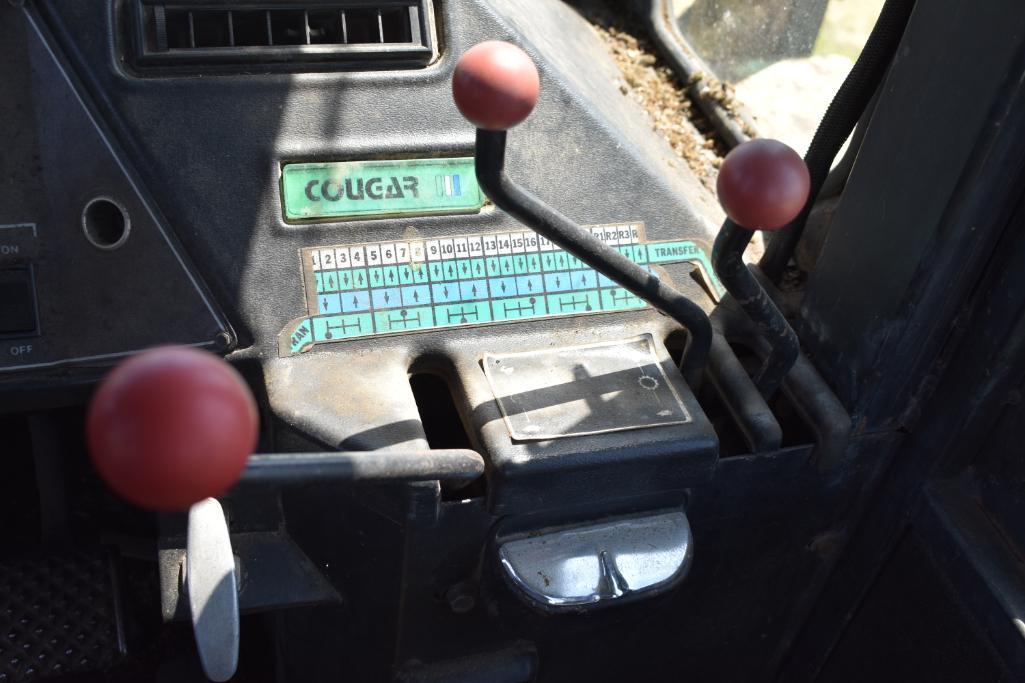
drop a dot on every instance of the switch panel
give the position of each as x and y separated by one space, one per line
17 302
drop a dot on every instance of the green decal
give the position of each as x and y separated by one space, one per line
573 302
329 280
367 189
685 250
332 327
494 266
520 265
471 313
418 284
404 319
670 252
505 265
521 307
420 275
617 299
301 338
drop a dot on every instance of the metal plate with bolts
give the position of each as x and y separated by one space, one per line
578 390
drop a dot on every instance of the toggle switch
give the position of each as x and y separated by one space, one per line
17 302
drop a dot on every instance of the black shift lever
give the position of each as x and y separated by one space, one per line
496 86
762 185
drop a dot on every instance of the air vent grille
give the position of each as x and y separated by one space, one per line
388 33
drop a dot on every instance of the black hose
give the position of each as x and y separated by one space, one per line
839 120
836 180
546 221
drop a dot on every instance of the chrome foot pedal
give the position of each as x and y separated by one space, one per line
599 564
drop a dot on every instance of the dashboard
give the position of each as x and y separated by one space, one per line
420 341
294 189
325 221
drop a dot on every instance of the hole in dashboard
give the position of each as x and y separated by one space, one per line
442 424
105 223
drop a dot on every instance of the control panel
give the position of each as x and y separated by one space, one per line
378 288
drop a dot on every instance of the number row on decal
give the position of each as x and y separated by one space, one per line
390 253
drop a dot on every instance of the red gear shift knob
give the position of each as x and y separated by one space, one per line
495 85
171 426
763 184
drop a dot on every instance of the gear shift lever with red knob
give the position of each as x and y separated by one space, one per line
169 429
762 185
496 86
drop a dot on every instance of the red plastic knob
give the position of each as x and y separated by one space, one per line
495 85
763 184
171 426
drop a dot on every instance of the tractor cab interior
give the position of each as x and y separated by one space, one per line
503 341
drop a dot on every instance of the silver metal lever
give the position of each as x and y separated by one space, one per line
212 590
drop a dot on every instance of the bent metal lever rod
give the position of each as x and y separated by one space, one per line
496 86
762 184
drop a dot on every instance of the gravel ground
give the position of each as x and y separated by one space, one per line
654 86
